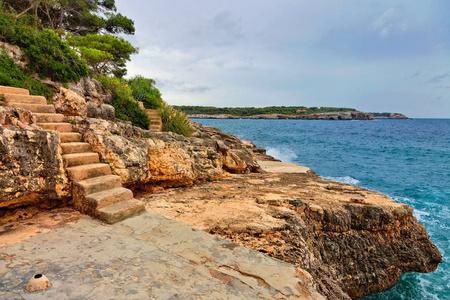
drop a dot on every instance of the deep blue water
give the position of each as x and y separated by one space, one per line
408 160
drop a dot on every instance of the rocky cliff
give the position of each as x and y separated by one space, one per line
31 166
352 241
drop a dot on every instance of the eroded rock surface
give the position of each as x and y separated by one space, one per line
31 168
147 160
353 241
146 257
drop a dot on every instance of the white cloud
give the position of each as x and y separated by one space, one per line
389 23
290 52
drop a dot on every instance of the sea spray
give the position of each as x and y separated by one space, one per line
286 155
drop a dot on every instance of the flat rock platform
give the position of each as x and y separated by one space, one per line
145 257
282 167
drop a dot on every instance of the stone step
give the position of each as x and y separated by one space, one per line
108 197
155 116
34 107
117 212
68 148
61 127
76 159
69 137
16 98
96 184
49 118
88 171
13 90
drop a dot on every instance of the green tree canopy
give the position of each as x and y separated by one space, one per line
80 17
105 54
144 90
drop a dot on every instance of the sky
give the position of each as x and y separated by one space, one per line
374 56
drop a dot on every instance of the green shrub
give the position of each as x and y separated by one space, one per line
48 55
145 91
12 75
122 99
174 120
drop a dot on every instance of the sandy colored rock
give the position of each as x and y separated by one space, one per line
31 168
146 257
282 167
69 103
352 241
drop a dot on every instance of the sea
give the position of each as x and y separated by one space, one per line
408 160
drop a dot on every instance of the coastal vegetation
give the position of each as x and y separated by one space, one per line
251 111
65 41
13 75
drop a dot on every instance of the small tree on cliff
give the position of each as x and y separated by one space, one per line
80 17
105 54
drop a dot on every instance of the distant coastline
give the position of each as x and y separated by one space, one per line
335 116
284 112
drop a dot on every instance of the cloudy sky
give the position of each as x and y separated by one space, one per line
371 55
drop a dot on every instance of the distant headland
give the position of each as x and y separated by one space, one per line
284 112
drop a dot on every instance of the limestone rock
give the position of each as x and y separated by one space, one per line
17 117
31 168
69 103
91 90
100 111
15 53
169 165
127 157
352 241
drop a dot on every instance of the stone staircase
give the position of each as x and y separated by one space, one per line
155 120
95 191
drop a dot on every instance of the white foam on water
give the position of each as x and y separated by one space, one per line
345 179
286 154
420 215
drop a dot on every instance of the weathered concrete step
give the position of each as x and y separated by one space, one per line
117 212
13 90
68 148
34 107
76 159
61 127
108 197
16 98
88 171
49 118
69 137
96 184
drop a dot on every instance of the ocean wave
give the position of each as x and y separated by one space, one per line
345 179
421 215
286 154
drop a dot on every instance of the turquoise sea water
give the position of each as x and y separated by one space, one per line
408 160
